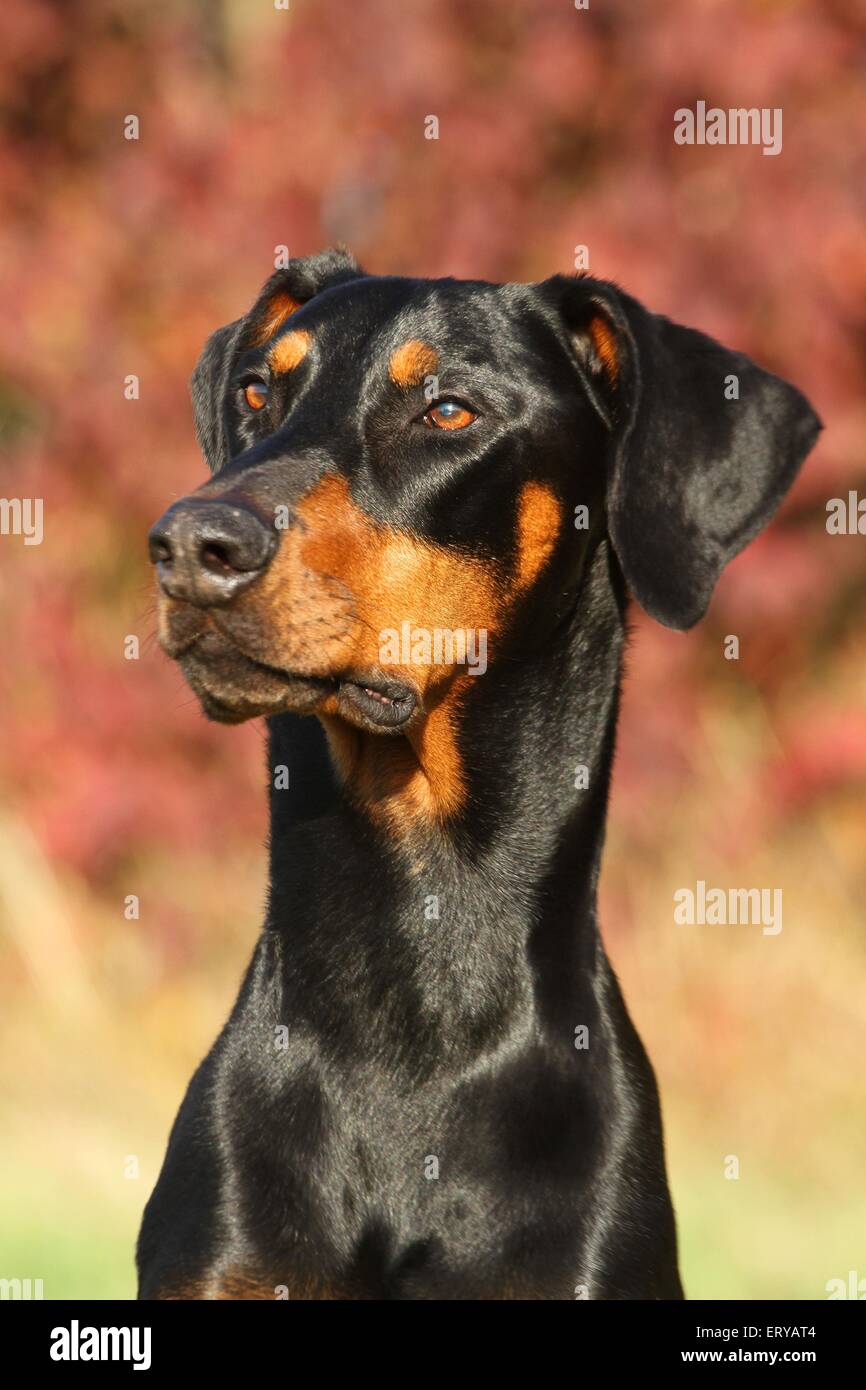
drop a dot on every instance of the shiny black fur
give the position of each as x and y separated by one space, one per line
412 1040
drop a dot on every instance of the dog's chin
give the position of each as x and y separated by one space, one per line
231 688
221 713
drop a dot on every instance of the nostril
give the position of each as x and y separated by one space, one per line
159 549
232 547
217 558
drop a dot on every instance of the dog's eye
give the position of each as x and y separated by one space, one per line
256 394
449 415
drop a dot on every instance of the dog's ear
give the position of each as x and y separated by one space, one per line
704 444
284 293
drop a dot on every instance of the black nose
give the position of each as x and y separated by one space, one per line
206 552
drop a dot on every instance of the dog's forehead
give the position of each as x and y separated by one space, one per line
389 312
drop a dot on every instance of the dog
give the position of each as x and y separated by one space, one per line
429 1087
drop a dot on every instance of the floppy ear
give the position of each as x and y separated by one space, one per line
284 293
704 445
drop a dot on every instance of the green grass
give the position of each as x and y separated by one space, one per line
66 1235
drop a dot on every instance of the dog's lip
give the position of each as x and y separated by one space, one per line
380 700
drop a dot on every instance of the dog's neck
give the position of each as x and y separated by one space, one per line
464 922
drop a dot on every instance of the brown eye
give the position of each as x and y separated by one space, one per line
449 415
256 394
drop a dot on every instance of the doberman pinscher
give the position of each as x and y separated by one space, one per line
430 501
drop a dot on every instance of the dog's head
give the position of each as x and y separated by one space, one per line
409 475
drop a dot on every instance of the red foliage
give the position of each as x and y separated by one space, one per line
261 127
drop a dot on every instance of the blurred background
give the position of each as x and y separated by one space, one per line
262 127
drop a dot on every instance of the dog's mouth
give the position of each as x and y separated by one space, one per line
378 700
233 686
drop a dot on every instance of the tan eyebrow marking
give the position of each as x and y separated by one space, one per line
276 311
411 362
289 350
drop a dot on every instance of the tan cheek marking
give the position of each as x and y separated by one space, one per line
604 341
338 579
336 582
288 351
411 362
419 777
275 313
539 518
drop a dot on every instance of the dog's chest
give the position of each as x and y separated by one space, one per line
361 1181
